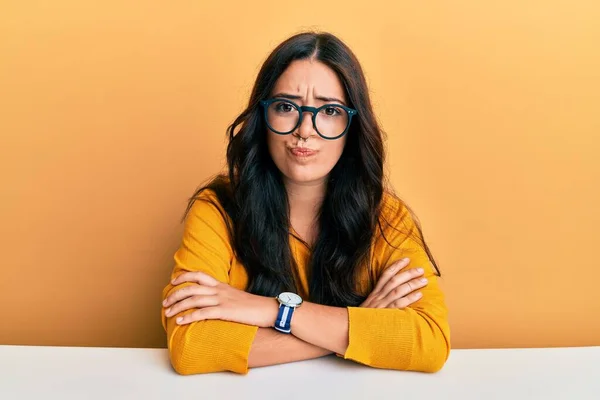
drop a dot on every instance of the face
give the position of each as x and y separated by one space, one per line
307 83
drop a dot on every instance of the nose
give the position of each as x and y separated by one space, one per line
306 128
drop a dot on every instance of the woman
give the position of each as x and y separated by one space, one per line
300 252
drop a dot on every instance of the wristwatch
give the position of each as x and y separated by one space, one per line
288 302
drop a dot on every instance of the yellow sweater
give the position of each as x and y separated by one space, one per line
415 338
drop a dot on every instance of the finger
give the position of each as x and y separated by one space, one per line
389 273
406 300
400 279
197 277
199 315
402 291
188 291
367 302
192 302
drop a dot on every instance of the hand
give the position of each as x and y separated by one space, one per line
211 299
396 290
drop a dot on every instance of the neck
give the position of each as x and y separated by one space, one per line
305 200
306 196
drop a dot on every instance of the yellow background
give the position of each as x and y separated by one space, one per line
113 112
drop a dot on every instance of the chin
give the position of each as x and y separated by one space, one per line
303 176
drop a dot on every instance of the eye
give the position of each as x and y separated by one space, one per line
331 111
284 107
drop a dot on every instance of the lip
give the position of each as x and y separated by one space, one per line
302 152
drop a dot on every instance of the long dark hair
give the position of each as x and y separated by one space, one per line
255 200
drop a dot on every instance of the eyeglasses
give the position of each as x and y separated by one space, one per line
331 121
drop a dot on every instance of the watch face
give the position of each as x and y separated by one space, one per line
290 299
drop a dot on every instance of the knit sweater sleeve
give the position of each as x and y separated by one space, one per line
416 338
211 345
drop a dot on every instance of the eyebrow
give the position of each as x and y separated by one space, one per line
296 97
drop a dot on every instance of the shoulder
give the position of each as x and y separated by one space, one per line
207 195
397 222
205 201
394 211
209 204
398 234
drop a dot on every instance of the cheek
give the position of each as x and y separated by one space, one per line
276 145
334 150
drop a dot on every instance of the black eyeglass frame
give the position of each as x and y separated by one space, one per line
314 110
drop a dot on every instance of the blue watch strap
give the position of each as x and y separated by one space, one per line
284 319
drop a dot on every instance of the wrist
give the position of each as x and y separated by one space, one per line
270 309
288 303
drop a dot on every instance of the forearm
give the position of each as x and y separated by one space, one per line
322 326
271 347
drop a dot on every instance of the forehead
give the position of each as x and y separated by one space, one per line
304 76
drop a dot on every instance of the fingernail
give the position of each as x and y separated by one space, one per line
179 320
419 294
420 270
173 281
423 280
405 260
168 312
164 302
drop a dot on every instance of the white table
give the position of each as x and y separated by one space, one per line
110 373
